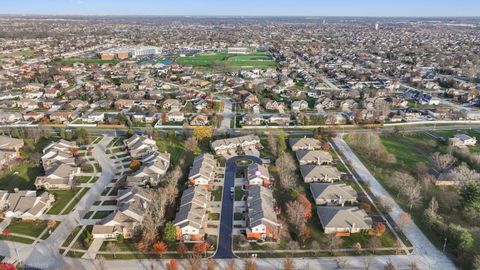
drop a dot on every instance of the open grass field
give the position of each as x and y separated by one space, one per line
71 61
30 228
24 53
175 147
62 197
254 60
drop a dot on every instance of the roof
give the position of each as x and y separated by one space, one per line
203 166
235 142
327 191
304 143
260 207
319 172
257 170
343 217
9 143
322 156
193 207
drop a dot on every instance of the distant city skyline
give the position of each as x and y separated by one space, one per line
364 8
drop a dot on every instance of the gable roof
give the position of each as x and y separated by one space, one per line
327 191
343 217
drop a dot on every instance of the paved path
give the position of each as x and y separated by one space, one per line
227 114
93 249
224 250
422 246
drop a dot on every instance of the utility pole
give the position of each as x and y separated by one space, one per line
444 244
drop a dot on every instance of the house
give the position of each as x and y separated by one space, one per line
280 119
315 173
316 157
445 178
199 120
172 104
462 140
95 117
251 119
202 171
332 194
232 145
58 152
25 204
273 105
304 144
257 174
133 203
175 117
190 220
124 104
154 165
299 105
11 144
139 116
61 117
59 176
340 220
262 223
33 116
139 146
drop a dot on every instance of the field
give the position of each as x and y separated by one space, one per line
410 150
254 60
71 61
24 53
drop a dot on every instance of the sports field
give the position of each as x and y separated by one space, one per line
252 60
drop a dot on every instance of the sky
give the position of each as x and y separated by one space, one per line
366 8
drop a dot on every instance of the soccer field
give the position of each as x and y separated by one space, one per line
253 60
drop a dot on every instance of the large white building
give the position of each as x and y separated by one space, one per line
238 50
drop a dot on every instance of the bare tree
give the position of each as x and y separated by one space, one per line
250 265
413 194
191 144
211 264
272 144
286 171
333 243
389 265
342 263
374 243
113 248
296 215
443 161
194 261
289 264
368 262
230 265
464 174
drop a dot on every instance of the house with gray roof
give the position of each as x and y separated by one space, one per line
315 173
154 165
140 146
348 219
203 169
232 146
304 144
257 174
332 194
25 204
262 223
191 217
59 176
315 157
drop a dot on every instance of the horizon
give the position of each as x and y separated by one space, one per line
247 8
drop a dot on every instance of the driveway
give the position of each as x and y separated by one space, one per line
422 246
225 240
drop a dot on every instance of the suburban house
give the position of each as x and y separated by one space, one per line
60 152
9 149
139 146
343 220
60 176
317 157
191 218
232 145
462 140
299 105
332 194
175 117
202 171
172 104
95 117
154 165
133 203
257 174
304 144
25 204
199 120
315 173
262 223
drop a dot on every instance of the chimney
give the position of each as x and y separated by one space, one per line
353 227
340 200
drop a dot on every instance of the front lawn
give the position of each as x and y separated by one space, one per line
30 228
62 197
21 176
217 194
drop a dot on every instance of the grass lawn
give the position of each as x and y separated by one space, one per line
406 157
71 236
101 214
239 193
16 239
217 194
62 197
82 241
24 53
255 60
30 228
214 216
237 216
71 61
176 148
21 176
86 179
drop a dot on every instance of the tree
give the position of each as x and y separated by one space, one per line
403 220
202 133
289 264
443 161
51 224
470 196
413 194
230 266
182 249
194 261
333 243
368 263
389 265
191 144
201 248
461 239
431 211
83 137
135 165
159 248
296 215
250 265
378 228
282 142
286 171
307 205
357 247
413 266
374 243
272 144
169 233
211 264
172 265
476 262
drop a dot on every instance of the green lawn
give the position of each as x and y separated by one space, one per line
86 179
406 157
101 214
30 228
217 194
71 236
255 60
62 197
71 61
21 176
176 148
239 193
24 53
214 216
16 239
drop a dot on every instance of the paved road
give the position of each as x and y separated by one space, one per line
45 255
227 114
423 248
224 250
